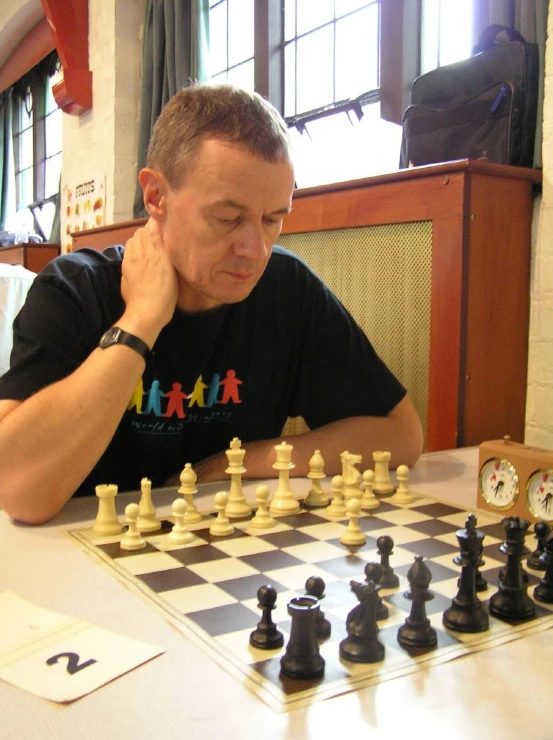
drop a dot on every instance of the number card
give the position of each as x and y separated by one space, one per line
59 658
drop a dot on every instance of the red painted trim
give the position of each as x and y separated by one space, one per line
31 50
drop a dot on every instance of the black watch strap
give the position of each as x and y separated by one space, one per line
116 335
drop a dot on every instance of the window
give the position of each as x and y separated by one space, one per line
446 33
37 132
231 42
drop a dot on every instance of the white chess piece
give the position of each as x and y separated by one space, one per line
147 520
188 488
352 534
132 539
382 483
402 496
106 523
284 501
337 507
368 499
221 527
179 535
237 506
262 518
316 496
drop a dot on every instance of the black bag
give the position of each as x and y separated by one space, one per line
482 108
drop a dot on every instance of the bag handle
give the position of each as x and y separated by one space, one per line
488 38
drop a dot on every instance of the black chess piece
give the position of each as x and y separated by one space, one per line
466 613
266 636
315 586
362 644
373 572
544 590
511 602
417 632
302 658
385 545
536 560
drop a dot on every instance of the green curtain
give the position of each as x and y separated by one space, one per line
529 18
174 54
7 175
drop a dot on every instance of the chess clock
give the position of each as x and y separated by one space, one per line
515 479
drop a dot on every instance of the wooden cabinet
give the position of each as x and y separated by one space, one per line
31 256
480 216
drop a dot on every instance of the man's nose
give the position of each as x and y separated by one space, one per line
252 243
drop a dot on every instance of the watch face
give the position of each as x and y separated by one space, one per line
110 337
499 483
539 494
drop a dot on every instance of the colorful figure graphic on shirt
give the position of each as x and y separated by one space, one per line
137 397
197 395
155 394
213 390
175 405
230 384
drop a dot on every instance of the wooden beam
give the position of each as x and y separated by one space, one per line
37 44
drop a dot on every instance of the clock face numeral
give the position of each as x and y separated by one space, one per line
499 483
539 494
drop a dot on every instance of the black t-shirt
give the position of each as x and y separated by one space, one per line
289 349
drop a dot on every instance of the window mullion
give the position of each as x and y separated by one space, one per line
39 138
269 51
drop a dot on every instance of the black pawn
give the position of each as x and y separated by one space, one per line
302 658
385 545
373 572
416 632
362 644
466 613
315 586
537 559
544 589
266 636
511 602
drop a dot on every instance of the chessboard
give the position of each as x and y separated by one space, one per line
208 589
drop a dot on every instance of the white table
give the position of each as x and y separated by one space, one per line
503 692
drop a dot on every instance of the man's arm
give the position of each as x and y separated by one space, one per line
400 432
51 441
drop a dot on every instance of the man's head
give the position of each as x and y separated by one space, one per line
223 112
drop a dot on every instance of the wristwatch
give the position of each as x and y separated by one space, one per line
116 335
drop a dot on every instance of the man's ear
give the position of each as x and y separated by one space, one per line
154 189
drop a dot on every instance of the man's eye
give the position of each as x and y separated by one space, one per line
227 220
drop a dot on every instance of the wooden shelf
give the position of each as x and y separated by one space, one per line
32 256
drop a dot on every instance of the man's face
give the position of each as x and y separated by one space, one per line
221 224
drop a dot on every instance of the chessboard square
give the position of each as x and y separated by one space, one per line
438 509
370 524
314 551
238 643
295 577
431 548
167 580
346 566
214 539
302 519
439 570
247 528
493 530
459 519
279 615
400 535
195 598
449 587
435 528
286 538
402 517
147 562
114 550
228 618
223 570
338 593
200 554
325 531
246 588
244 546
265 561
490 563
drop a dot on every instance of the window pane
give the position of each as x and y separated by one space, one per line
430 35
346 6
52 175
289 19
218 38
53 133
290 79
357 53
24 114
50 102
26 149
25 187
243 75
313 14
315 69
45 217
240 31
455 32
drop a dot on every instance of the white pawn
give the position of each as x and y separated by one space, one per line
262 518
382 483
132 539
337 506
106 522
402 496
188 488
316 496
368 499
352 534
179 535
221 527
147 520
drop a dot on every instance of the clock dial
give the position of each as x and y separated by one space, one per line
499 483
539 494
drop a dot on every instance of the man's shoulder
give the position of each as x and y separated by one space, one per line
286 263
85 260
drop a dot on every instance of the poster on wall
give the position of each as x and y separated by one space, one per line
84 207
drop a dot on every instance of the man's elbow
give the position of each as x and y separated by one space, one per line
27 507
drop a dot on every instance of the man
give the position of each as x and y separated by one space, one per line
242 335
